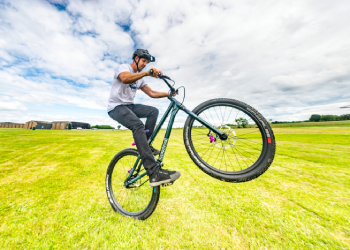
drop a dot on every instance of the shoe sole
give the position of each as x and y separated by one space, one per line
173 178
156 184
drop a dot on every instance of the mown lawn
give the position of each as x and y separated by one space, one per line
53 195
345 123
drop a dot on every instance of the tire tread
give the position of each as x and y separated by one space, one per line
256 172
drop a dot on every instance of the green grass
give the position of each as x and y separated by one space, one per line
314 124
53 195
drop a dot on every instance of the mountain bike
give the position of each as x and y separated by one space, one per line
227 139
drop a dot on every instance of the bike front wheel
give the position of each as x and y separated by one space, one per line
247 152
137 200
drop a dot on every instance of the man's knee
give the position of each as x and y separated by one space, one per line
138 125
155 111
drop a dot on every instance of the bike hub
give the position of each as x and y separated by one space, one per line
227 140
224 137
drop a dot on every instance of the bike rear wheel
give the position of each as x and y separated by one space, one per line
138 200
246 154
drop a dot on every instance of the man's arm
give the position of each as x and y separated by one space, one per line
154 94
128 78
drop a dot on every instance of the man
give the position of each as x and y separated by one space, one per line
121 108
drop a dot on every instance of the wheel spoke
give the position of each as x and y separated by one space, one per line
250 140
243 146
136 198
250 146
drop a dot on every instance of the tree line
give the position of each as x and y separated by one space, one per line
318 118
282 122
103 127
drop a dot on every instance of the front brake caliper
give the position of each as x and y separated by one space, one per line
211 137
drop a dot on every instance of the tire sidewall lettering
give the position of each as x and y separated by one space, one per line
261 121
108 191
148 210
198 162
265 130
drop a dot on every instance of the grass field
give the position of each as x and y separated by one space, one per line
53 195
314 124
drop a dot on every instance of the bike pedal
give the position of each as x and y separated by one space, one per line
168 184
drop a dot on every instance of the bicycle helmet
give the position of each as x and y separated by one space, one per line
142 53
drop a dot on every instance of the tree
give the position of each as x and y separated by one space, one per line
328 118
118 126
315 118
345 117
242 122
103 127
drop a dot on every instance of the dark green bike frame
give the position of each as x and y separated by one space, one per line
174 107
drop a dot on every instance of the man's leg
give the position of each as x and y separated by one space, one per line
149 112
161 176
127 118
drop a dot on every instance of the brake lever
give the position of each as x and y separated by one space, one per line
164 76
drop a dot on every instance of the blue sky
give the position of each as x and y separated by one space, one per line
287 59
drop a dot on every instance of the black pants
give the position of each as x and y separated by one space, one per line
128 116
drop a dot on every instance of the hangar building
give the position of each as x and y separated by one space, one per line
58 125
11 125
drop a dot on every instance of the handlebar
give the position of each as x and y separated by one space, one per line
164 77
161 76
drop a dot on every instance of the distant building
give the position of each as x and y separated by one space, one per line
61 125
37 125
11 125
57 125
82 125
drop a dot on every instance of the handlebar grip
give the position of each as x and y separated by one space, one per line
151 71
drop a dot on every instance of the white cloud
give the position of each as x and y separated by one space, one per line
285 59
6 103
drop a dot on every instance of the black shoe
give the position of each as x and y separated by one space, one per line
154 151
170 171
163 176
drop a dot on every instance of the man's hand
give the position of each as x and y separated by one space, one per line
175 94
155 72
154 94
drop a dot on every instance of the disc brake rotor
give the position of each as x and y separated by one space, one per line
230 142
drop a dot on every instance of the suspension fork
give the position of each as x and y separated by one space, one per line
222 135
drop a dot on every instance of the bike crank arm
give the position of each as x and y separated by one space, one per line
128 182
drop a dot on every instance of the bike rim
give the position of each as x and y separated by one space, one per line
131 201
244 149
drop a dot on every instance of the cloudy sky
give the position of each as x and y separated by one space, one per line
288 59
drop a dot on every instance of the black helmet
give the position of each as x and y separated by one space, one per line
143 53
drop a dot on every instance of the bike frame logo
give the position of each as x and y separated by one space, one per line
165 142
193 155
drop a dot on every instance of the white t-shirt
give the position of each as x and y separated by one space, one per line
121 93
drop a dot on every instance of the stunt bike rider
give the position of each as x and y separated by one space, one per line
121 108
